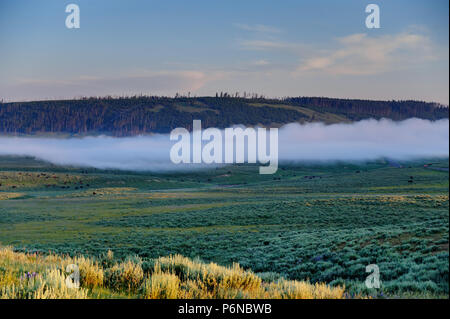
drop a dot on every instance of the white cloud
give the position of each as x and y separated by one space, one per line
360 54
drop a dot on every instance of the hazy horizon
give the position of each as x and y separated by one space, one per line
202 96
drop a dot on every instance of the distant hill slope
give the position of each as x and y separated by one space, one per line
145 114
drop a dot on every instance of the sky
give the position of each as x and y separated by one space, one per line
276 48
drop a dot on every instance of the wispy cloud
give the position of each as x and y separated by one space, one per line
261 62
360 54
355 54
257 28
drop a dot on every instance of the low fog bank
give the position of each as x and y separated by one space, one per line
365 140
360 141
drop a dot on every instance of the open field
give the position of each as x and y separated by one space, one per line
322 223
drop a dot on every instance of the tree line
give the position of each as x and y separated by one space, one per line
125 116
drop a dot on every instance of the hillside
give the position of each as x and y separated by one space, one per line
147 114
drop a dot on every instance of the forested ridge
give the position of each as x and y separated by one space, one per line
127 116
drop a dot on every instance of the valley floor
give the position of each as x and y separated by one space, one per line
315 223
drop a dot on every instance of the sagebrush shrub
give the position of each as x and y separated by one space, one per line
91 274
161 286
167 278
126 275
49 285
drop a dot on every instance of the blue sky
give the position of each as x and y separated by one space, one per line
276 48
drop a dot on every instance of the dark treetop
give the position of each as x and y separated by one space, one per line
128 116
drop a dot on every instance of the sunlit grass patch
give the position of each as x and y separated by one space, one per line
181 277
177 195
5 196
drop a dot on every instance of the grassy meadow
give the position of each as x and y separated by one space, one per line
309 231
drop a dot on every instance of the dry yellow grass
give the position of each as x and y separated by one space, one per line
126 275
204 281
33 276
5 196
91 274
161 286
49 285
38 276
